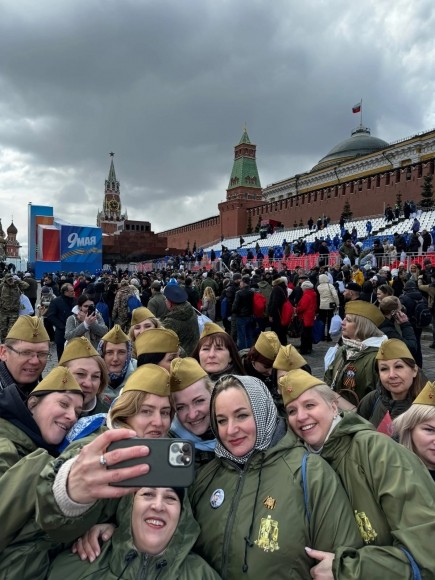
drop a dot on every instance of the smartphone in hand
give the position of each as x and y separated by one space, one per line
171 461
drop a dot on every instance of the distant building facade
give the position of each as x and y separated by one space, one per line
364 170
124 239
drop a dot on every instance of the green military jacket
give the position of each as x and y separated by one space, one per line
253 518
393 499
357 375
24 548
120 560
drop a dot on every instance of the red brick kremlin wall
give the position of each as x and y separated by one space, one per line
367 196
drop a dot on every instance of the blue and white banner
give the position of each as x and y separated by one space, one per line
81 244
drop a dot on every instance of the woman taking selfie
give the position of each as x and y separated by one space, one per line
254 516
378 475
85 321
30 433
70 508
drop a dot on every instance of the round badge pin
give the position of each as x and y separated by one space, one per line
217 498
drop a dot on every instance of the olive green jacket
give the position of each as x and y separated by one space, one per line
120 560
393 498
261 527
358 375
24 548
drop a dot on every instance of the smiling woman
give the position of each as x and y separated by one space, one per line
190 391
155 535
377 474
29 437
253 525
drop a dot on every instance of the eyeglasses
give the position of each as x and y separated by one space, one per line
29 354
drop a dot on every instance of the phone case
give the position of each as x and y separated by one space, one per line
171 461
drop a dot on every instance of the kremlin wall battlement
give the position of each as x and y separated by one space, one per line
363 170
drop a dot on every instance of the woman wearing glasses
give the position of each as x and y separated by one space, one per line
85 321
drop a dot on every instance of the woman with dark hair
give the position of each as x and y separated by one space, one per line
85 321
400 381
155 535
396 323
159 346
260 503
217 352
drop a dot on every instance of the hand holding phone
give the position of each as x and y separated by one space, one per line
171 462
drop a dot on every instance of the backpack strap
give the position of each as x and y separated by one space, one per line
416 575
305 485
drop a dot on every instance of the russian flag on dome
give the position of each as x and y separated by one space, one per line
356 108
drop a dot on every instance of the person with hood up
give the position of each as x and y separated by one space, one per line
391 493
181 317
306 311
411 295
277 298
328 302
30 435
352 373
396 323
154 537
120 313
254 516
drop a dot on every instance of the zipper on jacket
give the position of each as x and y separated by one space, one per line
144 566
230 521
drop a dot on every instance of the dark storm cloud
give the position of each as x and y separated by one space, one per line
168 86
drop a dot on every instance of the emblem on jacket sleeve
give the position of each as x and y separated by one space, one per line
268 535
217 498
366 529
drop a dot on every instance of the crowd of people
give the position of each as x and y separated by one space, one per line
295 475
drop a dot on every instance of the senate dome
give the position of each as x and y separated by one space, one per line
360 143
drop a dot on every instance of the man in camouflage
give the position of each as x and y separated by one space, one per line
10 292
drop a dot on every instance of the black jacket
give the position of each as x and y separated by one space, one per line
243 304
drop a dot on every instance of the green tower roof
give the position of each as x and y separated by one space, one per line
244 171
245 138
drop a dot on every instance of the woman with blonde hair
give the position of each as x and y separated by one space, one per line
390 491
90 371
190 393
416 427
209 303
352 373
142 319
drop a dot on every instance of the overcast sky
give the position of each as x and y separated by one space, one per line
169 84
